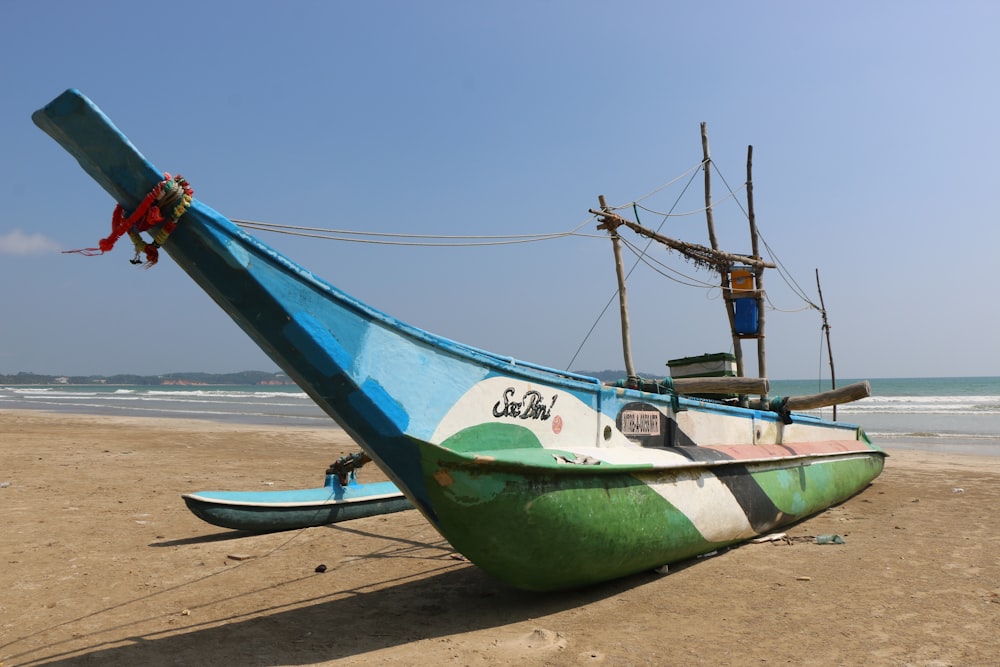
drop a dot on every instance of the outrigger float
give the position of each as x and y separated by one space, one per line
341 498
545 479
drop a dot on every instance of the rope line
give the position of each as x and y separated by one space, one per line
442 240
163 206
692 172
664 270
641 254
697 211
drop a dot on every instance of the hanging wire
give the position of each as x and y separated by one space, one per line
697 211
640 254
691 170
439 240
664 270
444 241
786 275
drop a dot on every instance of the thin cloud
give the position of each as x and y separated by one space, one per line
19 243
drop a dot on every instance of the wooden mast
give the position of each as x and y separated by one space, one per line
723 262
706 163
622 296
723 271
758 272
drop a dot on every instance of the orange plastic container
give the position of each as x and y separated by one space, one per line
741 278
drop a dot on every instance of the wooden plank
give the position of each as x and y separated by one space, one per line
733 294
721 385
852 392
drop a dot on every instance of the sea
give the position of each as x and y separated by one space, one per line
960 414
271 405
957 414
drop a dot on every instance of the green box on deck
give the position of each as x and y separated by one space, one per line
720 364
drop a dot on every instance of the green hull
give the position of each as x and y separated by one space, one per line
546 530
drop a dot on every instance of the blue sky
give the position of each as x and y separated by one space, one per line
874 128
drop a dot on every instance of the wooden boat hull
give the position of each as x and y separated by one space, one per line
567 528
545 479
273 511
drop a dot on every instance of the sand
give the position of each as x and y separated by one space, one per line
102 564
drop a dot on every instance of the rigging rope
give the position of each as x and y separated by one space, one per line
452 240
731 195
642 256
174 195
663 269
693 172
786 276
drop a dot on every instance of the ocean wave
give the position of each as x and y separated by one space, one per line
928 405
226 393
56 395
928 435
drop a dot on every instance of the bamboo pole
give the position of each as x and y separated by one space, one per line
829 350
706 163
754 238
622 296
852 392
758 272
693 251
723 271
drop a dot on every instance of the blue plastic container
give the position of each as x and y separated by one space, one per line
746 316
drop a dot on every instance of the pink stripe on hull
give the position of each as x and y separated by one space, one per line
791 449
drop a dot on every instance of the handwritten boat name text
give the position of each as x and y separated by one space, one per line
531 406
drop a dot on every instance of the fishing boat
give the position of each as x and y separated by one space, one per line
341 498
544 478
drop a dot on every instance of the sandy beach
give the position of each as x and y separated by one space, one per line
102 564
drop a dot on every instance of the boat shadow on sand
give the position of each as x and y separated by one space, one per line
222 536
352 618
